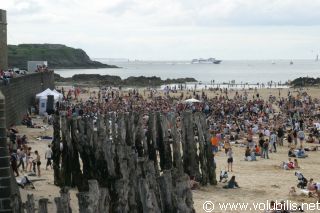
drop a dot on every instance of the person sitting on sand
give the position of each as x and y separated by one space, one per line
311 186
232 184
301 153
295 164
287 166
293 191
247 153
310 139
253 156
291 153
290 164
257 150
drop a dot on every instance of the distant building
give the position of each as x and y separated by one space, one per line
34 66
3 40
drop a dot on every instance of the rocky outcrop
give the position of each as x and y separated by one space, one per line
111 80
305 81
58 56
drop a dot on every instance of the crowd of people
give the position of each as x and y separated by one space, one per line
257 124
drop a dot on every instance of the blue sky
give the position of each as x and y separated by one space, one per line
171 29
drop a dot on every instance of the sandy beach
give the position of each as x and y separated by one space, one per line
259 180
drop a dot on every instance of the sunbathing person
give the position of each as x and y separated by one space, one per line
308 149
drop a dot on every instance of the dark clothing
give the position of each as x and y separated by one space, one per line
231 185
291 154
261 142
49 163
280 133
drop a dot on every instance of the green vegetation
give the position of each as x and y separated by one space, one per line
57 55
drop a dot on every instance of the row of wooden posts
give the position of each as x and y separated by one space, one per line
119 166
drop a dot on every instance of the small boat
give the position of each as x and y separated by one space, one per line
205 61
291 62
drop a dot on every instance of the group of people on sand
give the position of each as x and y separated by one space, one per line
22 158
259 125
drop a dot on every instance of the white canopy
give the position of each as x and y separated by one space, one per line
43 98
44 95
192 100
58 94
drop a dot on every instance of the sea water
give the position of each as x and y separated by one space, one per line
251 71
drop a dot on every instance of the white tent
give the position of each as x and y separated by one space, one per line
57 94
44 93
43 97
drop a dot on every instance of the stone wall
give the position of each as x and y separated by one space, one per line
5 175
20 94
3 40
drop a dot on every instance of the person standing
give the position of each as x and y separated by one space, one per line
280 135
301 137
13 161
295 137
261 142
273 140
290 138
265 149
37 162
230 159
21 156
48 156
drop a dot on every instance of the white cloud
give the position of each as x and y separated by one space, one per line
167 28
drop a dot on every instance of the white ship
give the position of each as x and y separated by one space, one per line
205 61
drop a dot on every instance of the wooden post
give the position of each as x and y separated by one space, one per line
120 166
63 202
29 205
43 205
56 148
202 140
211 167
190 157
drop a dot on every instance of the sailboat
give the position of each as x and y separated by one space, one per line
291 62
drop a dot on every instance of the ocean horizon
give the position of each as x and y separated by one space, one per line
240 71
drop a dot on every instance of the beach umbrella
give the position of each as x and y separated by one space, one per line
192 100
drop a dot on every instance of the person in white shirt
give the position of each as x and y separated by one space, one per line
48 156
